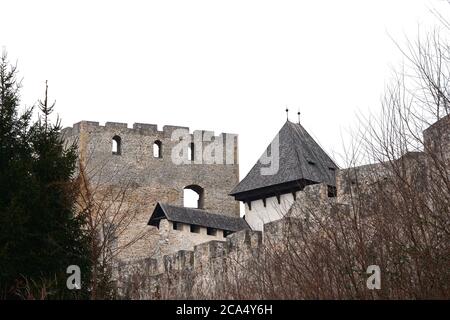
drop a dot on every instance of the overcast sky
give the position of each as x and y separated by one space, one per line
227 66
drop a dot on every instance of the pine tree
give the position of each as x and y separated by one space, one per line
40 234
15 160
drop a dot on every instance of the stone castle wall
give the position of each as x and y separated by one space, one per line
201 272
205 270
183 238
156 179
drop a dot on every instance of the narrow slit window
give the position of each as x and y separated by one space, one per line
157 149
191 152
116 145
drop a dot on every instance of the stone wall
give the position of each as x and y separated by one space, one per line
154 179
208 268
437 138
202 272
197 269
171 240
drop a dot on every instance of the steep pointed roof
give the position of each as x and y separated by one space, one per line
301 161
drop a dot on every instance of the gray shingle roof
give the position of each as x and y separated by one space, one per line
301 158
196 217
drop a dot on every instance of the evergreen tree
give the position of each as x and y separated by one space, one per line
40 234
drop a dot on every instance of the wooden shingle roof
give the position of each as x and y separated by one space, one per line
301 160
196 217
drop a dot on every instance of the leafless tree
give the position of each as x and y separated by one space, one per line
394 213
112 204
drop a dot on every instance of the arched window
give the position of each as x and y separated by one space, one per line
116 145
191 152
193 197
157 149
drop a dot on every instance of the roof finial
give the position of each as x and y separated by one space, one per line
287 113
298 113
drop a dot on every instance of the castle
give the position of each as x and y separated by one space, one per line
196 244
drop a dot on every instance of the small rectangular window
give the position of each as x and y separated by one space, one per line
332 192
211 232
195 229
176 226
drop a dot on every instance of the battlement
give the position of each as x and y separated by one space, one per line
184 273
165 166
137 128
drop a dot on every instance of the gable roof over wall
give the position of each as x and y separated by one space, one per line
196 217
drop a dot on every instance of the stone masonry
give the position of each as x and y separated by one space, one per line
204 270
156 178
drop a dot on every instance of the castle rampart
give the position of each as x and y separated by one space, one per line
115 153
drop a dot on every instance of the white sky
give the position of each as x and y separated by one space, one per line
227 66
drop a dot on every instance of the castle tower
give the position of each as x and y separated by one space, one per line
149 159
292 161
